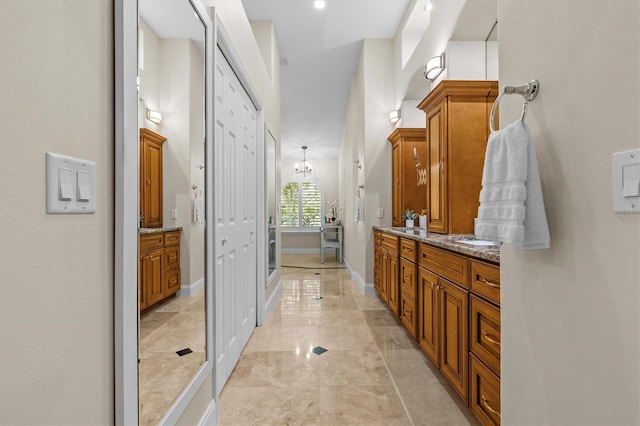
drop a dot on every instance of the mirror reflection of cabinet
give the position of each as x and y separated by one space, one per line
150 179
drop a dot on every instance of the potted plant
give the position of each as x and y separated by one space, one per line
409 215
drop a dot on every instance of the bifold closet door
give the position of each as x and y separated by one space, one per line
235 218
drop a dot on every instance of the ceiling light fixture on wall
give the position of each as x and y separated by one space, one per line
319 4
154 116
394 116
434 67
306 167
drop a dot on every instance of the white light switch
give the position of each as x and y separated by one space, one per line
65 184
71 184
380 213
626 181
84 187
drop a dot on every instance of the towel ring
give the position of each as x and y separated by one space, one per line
528 91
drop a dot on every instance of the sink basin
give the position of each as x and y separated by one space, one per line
479 242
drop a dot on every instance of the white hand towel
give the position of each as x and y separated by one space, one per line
511 205
198 210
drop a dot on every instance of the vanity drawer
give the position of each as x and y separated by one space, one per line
408 315
150 241
390 242
171 238
445 264
408 279
171 258
172 282
485 280
484 400
484 334
409 249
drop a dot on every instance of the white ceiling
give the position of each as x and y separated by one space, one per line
322 48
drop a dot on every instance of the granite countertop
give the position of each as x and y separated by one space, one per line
142 231
448 241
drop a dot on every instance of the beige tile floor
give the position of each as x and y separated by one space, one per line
174 325
373 373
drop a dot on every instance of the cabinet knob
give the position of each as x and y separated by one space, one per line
224 241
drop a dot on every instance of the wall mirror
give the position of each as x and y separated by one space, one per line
171 247
271 167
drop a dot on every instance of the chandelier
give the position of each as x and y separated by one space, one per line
306 166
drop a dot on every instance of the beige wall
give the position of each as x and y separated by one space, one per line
56 81
570 323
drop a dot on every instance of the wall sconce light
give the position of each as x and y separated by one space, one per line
434 67
154 116
394 116
306 167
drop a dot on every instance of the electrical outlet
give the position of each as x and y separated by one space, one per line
380 213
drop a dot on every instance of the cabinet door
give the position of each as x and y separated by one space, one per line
428 314
152 278
437 186
377 269
384 274
396 188
394 283
454 354
142 293
151 184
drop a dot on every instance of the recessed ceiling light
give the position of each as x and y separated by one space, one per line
319 4
428 6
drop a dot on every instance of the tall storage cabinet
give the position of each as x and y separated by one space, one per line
457 129
407 192
151 178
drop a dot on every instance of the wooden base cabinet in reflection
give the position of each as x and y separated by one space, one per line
158 267
457 129
151 178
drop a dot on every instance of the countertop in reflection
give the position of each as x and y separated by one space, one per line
142 231
447 241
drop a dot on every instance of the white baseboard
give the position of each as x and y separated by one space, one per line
272 299
367 288
210 416
191 290
300 251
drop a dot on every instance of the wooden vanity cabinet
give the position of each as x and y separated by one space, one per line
451 304
408 285
387 271
158 267
485 342
406 192
151 178
443 314
457 129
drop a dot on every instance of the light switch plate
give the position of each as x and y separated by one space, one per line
380 213
625 178
67 197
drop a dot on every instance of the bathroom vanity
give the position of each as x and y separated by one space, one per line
445 290
158 265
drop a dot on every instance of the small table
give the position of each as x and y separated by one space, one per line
331 237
